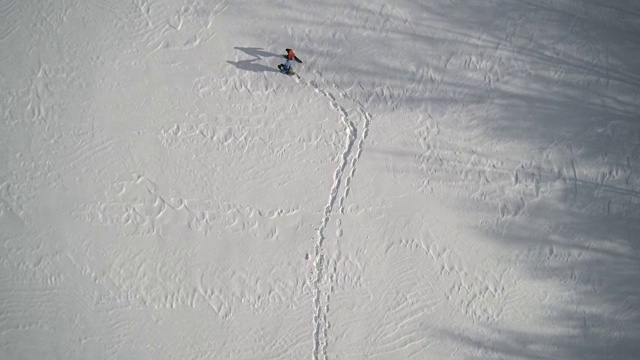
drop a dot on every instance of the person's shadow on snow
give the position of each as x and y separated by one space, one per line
258 53
251 64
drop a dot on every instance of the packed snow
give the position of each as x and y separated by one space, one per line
439 180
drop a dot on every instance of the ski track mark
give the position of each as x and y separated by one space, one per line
90 150
9 23
324 267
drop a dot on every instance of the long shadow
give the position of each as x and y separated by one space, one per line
253 65
256 52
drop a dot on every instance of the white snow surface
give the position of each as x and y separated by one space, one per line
442 180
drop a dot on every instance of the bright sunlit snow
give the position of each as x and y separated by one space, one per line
439 180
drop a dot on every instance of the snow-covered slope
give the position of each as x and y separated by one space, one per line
444 179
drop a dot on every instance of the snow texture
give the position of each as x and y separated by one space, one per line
441 180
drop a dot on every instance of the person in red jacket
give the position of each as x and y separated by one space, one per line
292 56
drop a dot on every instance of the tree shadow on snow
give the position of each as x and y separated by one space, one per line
559 77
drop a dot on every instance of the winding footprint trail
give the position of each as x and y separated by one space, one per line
324 262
